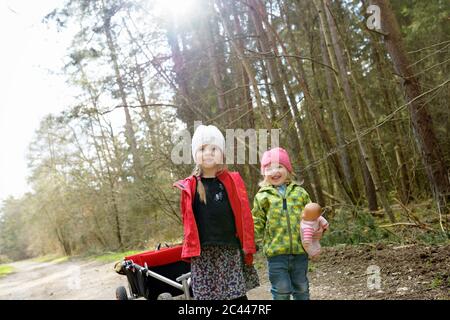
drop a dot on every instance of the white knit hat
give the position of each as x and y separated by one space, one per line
207 135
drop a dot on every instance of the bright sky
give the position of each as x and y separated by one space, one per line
30 60
28 90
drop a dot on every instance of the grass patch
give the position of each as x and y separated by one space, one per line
114 256
355 226
60 260
51 258
437 282
5 270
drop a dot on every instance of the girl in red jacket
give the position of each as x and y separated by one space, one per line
218 224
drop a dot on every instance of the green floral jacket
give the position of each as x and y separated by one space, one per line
277 219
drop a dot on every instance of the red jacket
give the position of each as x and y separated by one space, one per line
237 195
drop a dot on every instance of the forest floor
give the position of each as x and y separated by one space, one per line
343 272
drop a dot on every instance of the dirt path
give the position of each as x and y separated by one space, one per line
405 272
382 272
68 280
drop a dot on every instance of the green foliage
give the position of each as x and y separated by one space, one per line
355 227
115 256
13 236
360 226
51 258
5 270
433 237
441 279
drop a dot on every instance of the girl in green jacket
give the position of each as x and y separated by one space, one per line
277 211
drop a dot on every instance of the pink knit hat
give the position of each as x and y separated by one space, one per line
276 155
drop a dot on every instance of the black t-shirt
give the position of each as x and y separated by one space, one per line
215 219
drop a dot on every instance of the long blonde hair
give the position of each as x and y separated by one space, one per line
198 173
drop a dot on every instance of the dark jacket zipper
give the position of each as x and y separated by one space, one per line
288 222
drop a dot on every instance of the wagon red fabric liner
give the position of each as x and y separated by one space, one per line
156 258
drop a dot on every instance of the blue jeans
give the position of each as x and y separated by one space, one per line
288 276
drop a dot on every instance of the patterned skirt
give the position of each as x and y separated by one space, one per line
219 273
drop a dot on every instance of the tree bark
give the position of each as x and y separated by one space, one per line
129 131
426 140
337 124
243 77
314 179
246 64
268 49
300 76
350 98
391 103
353 119
212 56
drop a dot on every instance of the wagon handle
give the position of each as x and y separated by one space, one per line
186 283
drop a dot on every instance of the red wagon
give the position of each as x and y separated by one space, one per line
156 274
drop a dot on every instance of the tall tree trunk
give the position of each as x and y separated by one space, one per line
349 96
314 179
246 64
267 47
273 110
243 77
212 56
152 133
129 131
431 153
337 123
390 102
111 186
300 76
353 118
189 111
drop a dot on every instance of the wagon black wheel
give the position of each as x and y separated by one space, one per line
121 293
